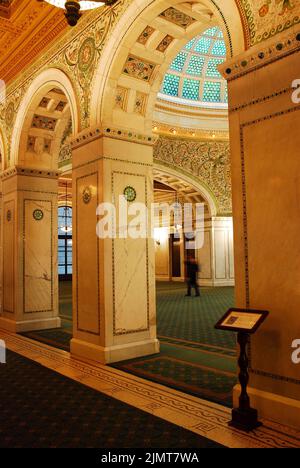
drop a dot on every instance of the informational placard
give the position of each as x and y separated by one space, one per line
246 320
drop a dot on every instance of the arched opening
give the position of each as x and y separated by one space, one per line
46 120
164 79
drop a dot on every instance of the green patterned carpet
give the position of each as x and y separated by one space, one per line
194 358
40 408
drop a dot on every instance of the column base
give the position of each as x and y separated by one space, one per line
108 355
29 325
278 408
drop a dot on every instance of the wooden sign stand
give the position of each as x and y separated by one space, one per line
244 322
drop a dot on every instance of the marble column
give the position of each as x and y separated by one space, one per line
216 256
29 240
113 279
265 140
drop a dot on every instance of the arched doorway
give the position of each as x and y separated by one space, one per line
134 77
46 117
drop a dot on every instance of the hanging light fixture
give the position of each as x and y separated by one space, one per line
74 7
65 227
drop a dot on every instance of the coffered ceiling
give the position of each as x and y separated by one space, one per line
27 27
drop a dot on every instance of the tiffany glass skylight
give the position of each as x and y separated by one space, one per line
193 77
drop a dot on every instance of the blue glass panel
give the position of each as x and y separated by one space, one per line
170 85
212 91
219 48
212 70
190 44
203 45
190 89
211 32
178 62
195 65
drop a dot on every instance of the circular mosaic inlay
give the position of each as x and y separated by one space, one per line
9 114
86 54
8 215
38 215
130 193
87 195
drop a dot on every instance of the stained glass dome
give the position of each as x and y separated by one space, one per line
193 77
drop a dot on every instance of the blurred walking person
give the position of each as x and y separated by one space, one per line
192 277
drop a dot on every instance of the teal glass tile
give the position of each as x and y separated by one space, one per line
212 70
190 44
195 66
211 31
219 48
212 91
170 85
178 62
203 45
190 89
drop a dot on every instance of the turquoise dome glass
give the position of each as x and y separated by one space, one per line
193 75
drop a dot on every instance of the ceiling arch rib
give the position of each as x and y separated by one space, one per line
47 111
147 44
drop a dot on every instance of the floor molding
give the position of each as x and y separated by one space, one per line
199 416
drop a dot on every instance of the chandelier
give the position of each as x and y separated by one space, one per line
74 7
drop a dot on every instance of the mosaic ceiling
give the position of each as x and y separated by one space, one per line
193 75
28 26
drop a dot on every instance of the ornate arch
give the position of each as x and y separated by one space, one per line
204 191
43 83
140 27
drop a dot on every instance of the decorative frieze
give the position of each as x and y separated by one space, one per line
259 57
109 132
140 103
139 68
177 17
164 44
21 171
144 36
207 161
121 98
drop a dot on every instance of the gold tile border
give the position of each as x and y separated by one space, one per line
198 416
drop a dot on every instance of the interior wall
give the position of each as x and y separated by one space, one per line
265 141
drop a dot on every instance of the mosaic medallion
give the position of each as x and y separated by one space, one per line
86 54
8 215
38 215
130 194
9 114
86 195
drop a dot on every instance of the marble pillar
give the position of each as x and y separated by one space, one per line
265 142
113 279
29 253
